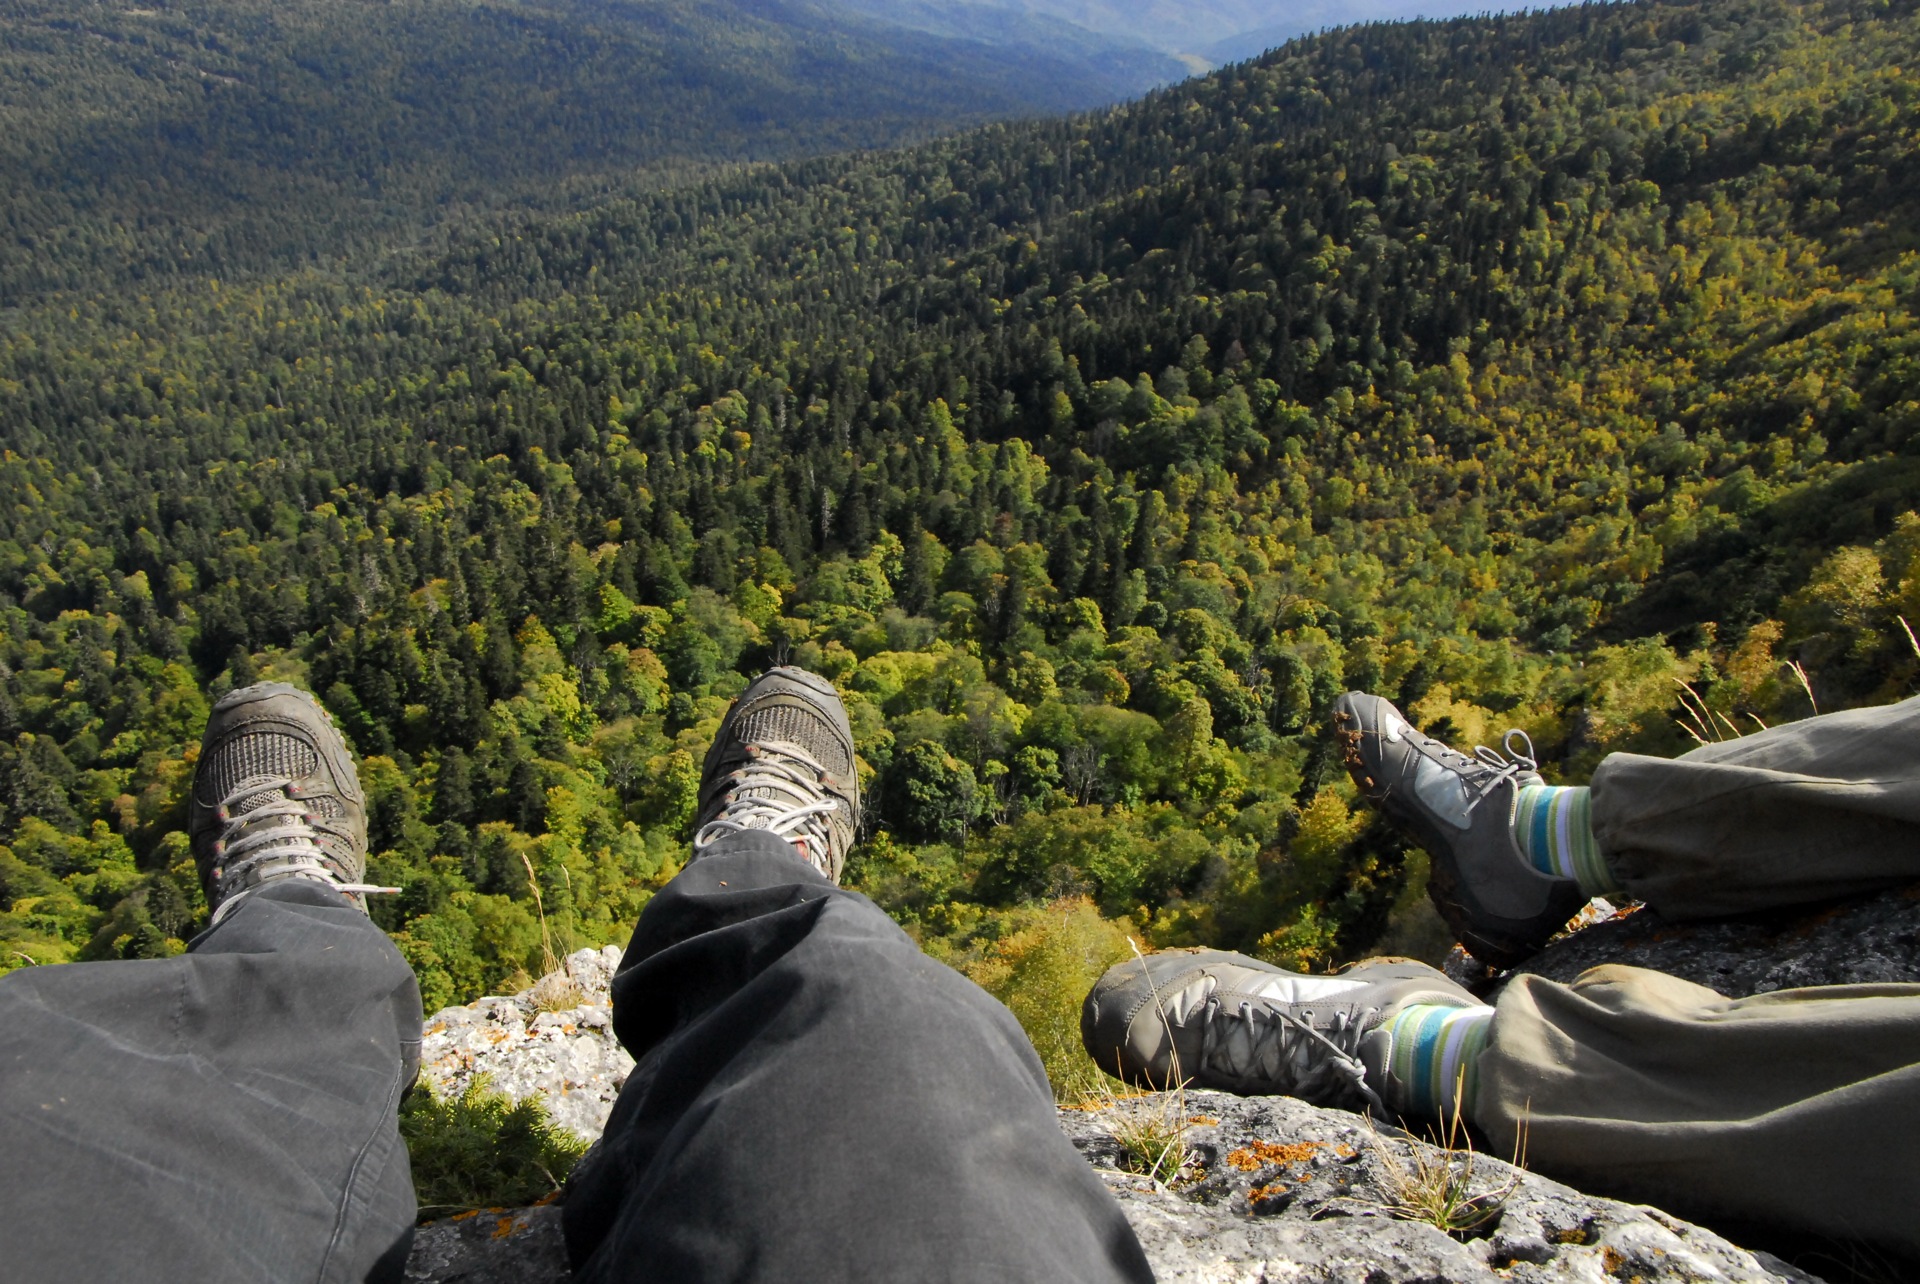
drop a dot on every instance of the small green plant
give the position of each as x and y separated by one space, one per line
483 1150
1435 1183
1152 1131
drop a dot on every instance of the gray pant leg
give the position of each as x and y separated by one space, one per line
227 1115
1802 812
814 1099
1798 1109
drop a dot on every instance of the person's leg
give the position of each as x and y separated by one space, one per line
1803 812
814 1098
227 1115
1798 1109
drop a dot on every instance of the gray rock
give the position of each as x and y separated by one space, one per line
1279 1190
554 1041
1860 940
499 1246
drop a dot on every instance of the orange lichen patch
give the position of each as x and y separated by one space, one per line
547 1198
507 1226
1266 1152
1261 1194
461 1217
1344 1151
1203 1121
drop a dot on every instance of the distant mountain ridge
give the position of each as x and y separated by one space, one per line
1191 35
152 137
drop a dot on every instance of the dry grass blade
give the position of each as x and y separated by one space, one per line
1805 685
1152 1131
1912 641
1703 729
556 990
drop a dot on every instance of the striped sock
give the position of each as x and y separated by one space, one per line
1554 827
1434 1047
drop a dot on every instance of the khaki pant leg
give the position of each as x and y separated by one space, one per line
1802 812
1799 1108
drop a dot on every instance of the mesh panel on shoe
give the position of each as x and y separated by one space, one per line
252 755
795 725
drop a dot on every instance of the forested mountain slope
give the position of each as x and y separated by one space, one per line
220 136
1516 368
1201 33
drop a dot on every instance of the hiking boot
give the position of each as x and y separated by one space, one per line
275 796
1211 1019
783 762
1460 809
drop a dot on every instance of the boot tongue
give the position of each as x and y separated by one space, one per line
1305 989
1444 791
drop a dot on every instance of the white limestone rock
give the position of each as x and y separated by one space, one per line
538 1043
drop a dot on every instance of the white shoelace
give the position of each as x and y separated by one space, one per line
1287 1049
1496 768
778 790
292 839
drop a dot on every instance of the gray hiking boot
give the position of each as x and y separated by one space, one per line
1211 1019
783 762
275 796
1460 809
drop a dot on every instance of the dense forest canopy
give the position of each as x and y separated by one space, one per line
1521 368
144 138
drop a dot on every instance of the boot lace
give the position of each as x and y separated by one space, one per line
1488 769
265 822
778 790
1267 1045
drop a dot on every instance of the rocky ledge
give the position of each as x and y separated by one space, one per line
1273 1189
1268 1188
1859 940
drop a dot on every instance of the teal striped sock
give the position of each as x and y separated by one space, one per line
1554 827
1435 1048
